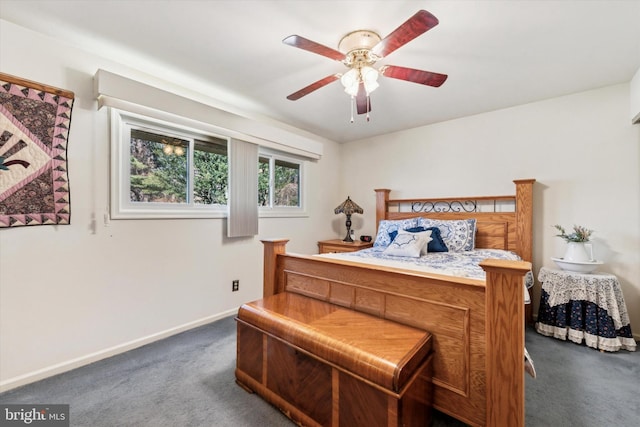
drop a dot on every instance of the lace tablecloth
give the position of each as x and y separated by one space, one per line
584 307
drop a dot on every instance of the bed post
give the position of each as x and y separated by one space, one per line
524 218
272 248
505 342
382 197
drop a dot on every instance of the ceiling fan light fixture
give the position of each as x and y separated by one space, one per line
371 86
369 76
360 39
360 50
352 90
350 80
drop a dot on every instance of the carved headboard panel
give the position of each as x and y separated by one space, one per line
502 222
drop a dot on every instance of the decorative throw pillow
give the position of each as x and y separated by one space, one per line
408 244
459 235
435 245
386 226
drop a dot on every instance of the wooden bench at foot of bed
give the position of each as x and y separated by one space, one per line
326 365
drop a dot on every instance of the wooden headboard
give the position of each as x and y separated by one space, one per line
496 229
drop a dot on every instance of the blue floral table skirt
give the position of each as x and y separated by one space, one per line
589 309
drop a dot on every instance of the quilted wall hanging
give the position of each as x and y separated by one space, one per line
34 129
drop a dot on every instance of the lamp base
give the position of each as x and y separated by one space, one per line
348 239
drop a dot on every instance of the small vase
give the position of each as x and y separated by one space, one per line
578 252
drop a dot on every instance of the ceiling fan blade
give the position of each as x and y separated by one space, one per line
363 102
313 86
311 46
418 24
411 75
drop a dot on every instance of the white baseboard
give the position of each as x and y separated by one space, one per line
68 365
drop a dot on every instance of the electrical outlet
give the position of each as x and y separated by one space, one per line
235 285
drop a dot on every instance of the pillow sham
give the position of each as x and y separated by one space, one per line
388 225
435 245
408 244
459 235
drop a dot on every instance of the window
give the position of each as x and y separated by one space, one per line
279 184
159 169
167 171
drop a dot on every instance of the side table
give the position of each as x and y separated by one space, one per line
584 307
337 245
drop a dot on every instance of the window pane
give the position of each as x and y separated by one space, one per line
211 172
263 181
158 170
287 177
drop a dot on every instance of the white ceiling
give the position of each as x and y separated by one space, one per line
497 53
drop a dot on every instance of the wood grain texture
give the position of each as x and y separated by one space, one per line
331 366
37 86
524 218
249 341
425 301
505 342
477 326
314 47
454 310
491 226
385 353
412 75
421 22
511 231
272 248
300 379
313 87
338 245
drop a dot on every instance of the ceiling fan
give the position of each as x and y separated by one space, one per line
360 50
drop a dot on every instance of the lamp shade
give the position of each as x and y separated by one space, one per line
369 78
348 207
350 80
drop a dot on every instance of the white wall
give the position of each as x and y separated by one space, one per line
75 293
635 98
582 150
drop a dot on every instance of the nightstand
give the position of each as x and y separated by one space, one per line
337 245
585 307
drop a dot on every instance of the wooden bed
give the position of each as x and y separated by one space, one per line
477 325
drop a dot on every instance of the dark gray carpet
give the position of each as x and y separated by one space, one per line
188 380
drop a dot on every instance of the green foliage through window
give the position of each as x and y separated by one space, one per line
285 176
159 169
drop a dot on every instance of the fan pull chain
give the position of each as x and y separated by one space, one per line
368 106
352 101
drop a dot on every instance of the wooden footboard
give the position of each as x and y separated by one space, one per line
477 326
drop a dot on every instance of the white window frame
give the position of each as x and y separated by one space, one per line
284 211
121 205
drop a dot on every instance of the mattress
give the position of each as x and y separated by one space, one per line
458 264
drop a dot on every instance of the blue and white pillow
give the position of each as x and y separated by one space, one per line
386 226
407 244
458 234
435 245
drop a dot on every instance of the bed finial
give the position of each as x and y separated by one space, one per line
382 197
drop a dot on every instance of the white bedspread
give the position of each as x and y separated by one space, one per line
459 264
